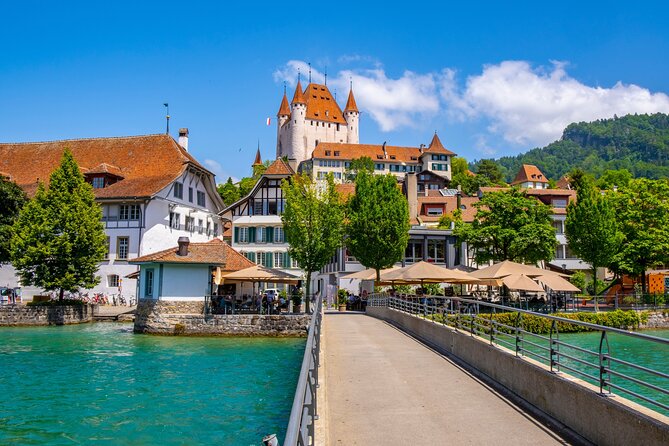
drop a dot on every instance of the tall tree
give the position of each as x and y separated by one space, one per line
509 226
12 199
229 192
642 208
614 178
58 239
490 169
313 222
378 221
592 230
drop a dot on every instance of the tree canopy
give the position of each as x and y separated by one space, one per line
357 165
378 221
509 226
313 222
229 192
58 239
12 199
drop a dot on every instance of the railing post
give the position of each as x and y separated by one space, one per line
604 363
554 358
519 320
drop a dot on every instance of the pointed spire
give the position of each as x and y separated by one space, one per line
284 109
258 160
298 97
350 103
436 143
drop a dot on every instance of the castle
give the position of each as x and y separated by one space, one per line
312 117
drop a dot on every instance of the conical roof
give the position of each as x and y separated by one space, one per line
350 103
437 147
258 160
284 109
298 97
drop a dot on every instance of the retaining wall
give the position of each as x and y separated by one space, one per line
573 402
187 318
17 315
657 319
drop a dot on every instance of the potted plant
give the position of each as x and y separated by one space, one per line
296 297
342 299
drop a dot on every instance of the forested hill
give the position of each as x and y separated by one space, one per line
638 143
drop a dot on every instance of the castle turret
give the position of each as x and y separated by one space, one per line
297 148
351 114
282 145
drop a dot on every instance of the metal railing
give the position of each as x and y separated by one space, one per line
304 413
610 372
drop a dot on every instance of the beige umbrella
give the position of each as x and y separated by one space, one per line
423 272
557 283
507 268
521 282
259 273
367 274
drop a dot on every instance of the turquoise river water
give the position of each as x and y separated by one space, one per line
100 383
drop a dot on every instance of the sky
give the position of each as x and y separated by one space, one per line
491 79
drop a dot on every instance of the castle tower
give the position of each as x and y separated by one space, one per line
351 114
282 145
296 125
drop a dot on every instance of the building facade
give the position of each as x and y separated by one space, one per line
150 189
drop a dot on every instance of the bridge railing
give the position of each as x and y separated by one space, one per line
300 429
537 336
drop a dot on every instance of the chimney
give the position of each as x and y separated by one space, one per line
412 194
183 246
421 148
385 152
183 138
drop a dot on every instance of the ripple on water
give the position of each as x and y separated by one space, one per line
96 382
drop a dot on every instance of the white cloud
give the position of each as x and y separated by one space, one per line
534 105
217 169
524 104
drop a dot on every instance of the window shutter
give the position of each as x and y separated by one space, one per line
268 259
286 260
236 235
269 234
252 235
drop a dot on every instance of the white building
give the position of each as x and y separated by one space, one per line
314 117
152 191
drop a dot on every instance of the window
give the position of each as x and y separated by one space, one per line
272 208
148 284
98 182
557 225
278 260
208 228
190 194
337 175
257 207
243 234
112 280
559 252
559 203
435 211
568 254
122 244
293 263
215 229
278 235
260 258
379 166
128 212
435 251
414 251
201 198
200 224
251 256
336 153
190 222
178 190
175 220
327 152
435 157
106 248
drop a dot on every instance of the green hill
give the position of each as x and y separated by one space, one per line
638 143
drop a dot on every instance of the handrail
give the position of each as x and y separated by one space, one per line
304 412
475 318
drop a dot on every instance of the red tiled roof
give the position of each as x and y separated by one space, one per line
448 204
529 172
298 97
279 167
284 108
214 252
350 103
321 106
557 192
563 182
373 151
345 190
437 147
147 163
104 168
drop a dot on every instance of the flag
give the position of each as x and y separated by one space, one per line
269 121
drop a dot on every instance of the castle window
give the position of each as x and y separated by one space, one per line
379 157
328 125
336 153
312 123
327 153
392 157
337 127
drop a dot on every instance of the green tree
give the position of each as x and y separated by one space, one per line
578 280
357 165
642 209
58 237
468 182
490 169
229 192
378 221
246 185
313 222
12 200
614 178
509 226
592 230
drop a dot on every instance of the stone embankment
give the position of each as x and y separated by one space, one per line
656 319
187 318
20 315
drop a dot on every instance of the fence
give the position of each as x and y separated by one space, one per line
520 331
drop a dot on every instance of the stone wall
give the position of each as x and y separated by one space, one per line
187 318
15 315
657 319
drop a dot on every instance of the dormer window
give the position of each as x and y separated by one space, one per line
336 153
98 182
392 157
328 152
379 157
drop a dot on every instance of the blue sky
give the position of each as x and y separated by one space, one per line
492 79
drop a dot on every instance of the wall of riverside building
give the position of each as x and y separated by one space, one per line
187 318
20 315
573 402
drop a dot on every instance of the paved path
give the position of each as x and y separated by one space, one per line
382 387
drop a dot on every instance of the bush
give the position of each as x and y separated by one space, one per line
342 296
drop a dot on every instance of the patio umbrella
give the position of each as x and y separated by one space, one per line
557 283
424 272
367 274
507 268
259 273
520 282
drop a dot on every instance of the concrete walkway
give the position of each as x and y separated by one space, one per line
382 387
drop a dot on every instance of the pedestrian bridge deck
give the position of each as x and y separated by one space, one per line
382 387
